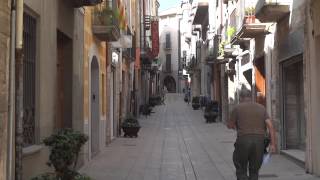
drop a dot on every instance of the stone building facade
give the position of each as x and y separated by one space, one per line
168 56
5 19
53 38
311 84
94 87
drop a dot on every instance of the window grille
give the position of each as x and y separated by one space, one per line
168 62
29 69
168 41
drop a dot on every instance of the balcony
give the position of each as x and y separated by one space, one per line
80 3
249 31
251 28
272 10
105 23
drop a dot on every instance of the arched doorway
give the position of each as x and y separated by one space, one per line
170 84
95 113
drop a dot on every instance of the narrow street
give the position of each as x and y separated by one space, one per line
175 143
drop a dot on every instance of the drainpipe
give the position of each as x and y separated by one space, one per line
179 52
19 89
11 124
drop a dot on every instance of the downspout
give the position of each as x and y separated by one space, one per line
179 53
11 128
19 89
145 74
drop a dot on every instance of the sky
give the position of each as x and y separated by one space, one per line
165 4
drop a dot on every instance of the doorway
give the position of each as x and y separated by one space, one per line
64 81
95 112
293 104
170 84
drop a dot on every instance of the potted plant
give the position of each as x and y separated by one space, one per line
230 32
249 15
196 102
154 100
146 109
211 111
185 97
130 126
64 146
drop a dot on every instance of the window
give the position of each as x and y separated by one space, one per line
168 62
168 41
29 81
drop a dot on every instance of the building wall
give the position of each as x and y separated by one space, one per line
288 29
46 15
94 47
52 16
169 24
312 95
5 7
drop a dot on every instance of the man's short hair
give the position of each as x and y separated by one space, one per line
245 93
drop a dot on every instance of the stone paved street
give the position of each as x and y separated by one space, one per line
175 143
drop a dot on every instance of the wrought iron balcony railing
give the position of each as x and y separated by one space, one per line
105 21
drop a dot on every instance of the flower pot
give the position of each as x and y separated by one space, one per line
195 106
211 111
210 116
130 131
249 19
196 102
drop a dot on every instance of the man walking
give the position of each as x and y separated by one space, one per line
250 120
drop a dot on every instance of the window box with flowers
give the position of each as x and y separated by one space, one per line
249 15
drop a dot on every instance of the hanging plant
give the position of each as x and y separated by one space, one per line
230 32
250 11
221 48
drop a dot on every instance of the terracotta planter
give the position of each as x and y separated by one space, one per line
211 116
249 19
130 131
195 106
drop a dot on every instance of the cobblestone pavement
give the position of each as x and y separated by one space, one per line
175 143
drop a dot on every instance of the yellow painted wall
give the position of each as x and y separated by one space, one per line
90 41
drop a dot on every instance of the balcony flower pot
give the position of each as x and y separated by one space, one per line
130 126
211 112
196 102
249 15
249 19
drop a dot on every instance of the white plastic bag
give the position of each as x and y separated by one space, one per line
266 158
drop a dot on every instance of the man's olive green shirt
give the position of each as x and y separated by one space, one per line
249 119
